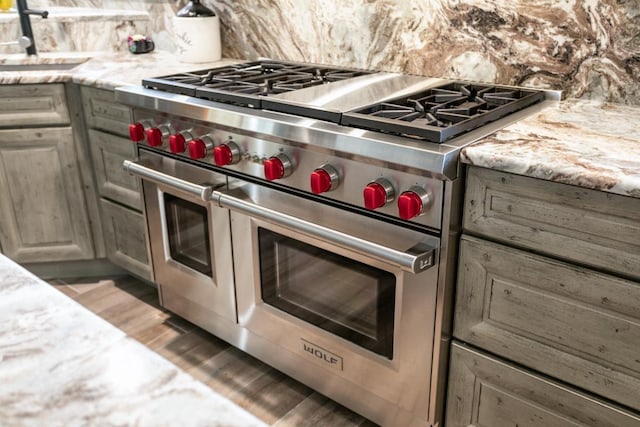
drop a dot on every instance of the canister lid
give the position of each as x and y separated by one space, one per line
195 9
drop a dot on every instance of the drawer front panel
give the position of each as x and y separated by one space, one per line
590 227
569 322
33 105
103 112
486 392
125 238
108 152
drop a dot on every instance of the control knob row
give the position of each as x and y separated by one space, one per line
154 135
411 203
376 194
198 148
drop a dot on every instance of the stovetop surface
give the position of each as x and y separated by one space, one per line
247 83
422 108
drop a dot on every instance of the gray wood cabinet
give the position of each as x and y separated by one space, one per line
548 286
488 392
580 326
585 226
43 213
124 238
108 152
33 105
102 111
120 193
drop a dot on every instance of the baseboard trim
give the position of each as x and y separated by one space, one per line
77 269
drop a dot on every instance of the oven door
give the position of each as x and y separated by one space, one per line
189 237
348 295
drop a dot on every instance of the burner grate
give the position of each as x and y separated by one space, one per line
246 83
443 112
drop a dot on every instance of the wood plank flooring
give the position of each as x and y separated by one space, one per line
270 395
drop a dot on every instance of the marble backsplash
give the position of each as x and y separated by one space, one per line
587 48
77 29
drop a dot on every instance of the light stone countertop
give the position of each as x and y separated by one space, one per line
585 143
73 14
106 70
61 365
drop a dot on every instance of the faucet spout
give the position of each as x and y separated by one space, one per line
43 13
25 23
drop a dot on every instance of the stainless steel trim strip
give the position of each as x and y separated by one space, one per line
145 172
415 260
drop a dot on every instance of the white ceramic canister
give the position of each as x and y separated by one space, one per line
197 38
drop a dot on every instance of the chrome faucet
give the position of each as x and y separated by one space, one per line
25 24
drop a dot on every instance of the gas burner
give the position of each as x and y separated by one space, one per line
443 112
244 84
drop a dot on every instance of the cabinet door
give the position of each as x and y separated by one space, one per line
43 213
125 238
486 392
108 153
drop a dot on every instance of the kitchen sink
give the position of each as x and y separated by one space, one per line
38 67
42 62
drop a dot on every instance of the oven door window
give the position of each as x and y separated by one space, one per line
188 233
345 297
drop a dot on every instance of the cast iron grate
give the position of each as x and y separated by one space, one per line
442 112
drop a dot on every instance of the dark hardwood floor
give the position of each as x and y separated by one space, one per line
275 398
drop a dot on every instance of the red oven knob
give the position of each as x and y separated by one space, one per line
178 142
155 137
378 193
325 178
277 167
136 132
413 202
226 154
199 147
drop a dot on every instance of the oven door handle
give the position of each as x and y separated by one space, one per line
415 260
202 192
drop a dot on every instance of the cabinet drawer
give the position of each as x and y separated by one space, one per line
591 227
103 112
487 392
124 238
33 105
571 323
108 152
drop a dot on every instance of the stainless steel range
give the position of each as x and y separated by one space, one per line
309 216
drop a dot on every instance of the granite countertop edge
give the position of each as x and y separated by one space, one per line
590 144
106 70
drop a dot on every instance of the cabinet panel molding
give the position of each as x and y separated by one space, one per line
487 392
574 324
43 209
108 152
103 112
33 105
125 238
589 227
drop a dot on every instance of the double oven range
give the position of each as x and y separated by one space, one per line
309 216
